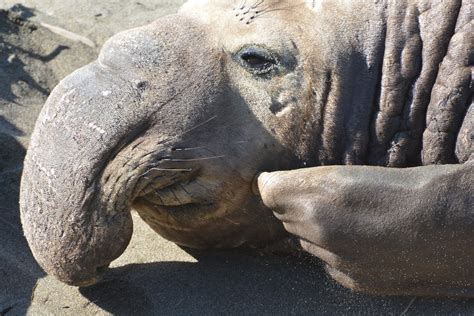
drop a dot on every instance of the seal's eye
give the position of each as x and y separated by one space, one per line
257 60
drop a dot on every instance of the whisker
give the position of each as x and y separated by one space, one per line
143 150
200 124
187 148
169 169
230 221
195 159
164 169
264 11
286 20
257 3
210 151
189 130
136 147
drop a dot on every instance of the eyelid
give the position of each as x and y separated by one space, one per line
258 52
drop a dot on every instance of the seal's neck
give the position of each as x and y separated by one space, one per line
377 64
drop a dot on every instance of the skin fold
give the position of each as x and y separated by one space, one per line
175 119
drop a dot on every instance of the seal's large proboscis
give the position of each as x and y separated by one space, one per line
176 119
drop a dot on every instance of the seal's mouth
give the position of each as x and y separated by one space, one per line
180 193
187 197
177 193
196 197
206 206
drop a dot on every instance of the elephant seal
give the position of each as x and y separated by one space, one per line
175 120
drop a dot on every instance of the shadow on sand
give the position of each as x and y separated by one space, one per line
237 283
12 66
18 270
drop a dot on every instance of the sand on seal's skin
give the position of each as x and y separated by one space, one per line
153 276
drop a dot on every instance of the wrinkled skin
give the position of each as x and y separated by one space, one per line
176 119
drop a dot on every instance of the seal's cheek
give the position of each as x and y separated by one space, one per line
288 98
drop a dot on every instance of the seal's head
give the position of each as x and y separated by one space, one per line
173 120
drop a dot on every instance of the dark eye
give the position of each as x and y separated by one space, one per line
257 60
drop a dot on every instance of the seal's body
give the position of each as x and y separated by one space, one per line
175 119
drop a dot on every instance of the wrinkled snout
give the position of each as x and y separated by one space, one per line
79 180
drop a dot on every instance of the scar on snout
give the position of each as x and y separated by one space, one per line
97 128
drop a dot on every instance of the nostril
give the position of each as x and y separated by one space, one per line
141 85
